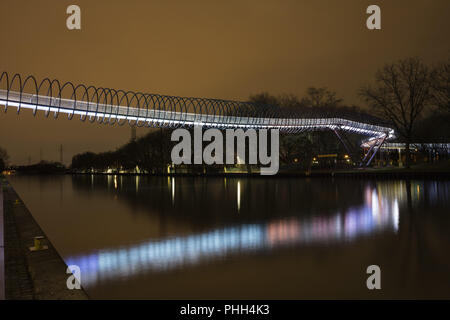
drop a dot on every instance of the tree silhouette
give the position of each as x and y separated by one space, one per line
401 92
441 86
320 97
4 157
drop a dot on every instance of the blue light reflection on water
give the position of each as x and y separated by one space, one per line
158 255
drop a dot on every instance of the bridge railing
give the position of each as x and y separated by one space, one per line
117 106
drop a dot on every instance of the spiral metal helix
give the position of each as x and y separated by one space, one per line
111 106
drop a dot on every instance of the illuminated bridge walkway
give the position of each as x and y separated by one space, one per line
112 106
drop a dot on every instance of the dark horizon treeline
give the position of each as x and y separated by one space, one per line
151 153
4 159
407 95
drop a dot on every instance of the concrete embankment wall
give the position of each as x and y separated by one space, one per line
2 251
30 274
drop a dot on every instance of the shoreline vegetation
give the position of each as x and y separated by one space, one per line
439 169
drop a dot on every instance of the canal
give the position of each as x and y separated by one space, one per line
246 238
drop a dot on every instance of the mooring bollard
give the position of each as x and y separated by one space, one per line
38 244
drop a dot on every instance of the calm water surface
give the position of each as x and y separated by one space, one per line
230 238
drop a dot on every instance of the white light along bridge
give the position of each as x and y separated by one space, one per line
157 118
152 110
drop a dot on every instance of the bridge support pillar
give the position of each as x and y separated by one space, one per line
375 147
349 147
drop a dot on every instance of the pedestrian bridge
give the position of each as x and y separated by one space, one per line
111 106
153 110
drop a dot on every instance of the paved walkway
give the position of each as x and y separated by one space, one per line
30 275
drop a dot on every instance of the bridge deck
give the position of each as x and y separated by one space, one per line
166 118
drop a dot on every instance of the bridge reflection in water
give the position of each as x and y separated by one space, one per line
377 214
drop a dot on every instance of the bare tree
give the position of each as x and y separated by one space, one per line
4 156
319 97
264 98
400 94
441 86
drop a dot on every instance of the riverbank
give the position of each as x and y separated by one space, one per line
439 170
420 172
39 275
